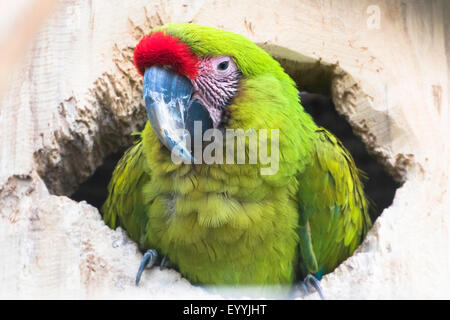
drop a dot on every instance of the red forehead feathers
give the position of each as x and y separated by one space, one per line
163 49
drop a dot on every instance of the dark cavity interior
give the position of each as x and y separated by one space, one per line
95 189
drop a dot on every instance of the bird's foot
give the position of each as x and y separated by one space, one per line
149 260
310 283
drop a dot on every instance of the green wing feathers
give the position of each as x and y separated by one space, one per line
125 205
332 206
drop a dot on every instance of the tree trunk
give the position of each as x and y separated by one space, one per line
76 98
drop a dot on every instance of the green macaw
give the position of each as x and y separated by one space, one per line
222 223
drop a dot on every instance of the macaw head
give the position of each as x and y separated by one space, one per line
221 79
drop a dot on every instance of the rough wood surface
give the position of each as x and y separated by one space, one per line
76 97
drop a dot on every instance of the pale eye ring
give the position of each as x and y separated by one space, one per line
223 66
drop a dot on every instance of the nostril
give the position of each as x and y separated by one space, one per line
167 68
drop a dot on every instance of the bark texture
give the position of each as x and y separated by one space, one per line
76 97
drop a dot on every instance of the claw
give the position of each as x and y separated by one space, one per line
162 265
311 281
148 260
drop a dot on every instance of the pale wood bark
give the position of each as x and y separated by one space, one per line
77 97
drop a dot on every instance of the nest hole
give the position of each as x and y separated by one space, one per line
314 82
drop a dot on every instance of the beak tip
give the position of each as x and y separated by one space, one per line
183 154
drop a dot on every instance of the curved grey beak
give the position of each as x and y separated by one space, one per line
172 112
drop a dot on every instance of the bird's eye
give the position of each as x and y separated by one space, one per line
223 66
